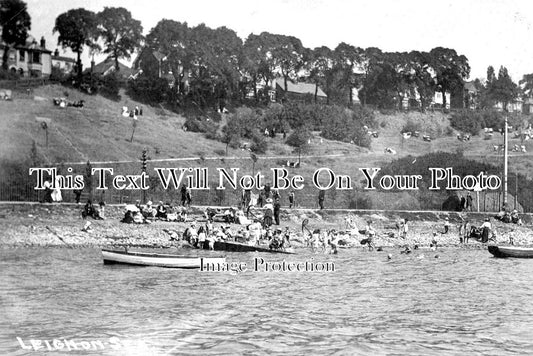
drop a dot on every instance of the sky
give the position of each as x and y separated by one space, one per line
487 32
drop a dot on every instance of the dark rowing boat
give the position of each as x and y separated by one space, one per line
240 247
156 259
511 251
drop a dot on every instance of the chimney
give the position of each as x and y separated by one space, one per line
43 42
56 53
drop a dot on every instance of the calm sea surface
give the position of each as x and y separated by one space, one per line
464 302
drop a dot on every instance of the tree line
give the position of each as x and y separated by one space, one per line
219 66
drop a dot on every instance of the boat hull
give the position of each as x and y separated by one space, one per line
156 259
239 247
511 251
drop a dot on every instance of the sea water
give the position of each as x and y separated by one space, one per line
448 302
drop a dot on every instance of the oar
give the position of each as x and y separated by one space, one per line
58 236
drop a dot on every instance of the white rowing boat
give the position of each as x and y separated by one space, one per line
157 259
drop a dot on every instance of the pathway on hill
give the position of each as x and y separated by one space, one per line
69 142
210 158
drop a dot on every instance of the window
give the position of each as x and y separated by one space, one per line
22 55
36 57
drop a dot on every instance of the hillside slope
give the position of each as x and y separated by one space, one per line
98 132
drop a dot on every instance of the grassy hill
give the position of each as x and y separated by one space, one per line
99 133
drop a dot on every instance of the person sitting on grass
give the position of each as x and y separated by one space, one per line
162 211
90 211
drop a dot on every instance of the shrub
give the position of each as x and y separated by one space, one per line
148 89
410 126
58 75
199 124
348 126
493 119
8 75
467 121
299 138
259 144
109 86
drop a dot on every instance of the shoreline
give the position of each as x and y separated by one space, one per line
60 224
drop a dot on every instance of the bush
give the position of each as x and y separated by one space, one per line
259 144
493 119
348 126
148 89
467 121
410 126
58 75
8 75
299 138
109 86
199 124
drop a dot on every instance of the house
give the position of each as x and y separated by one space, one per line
438 101
527 106
64 64
412 100
30 60
514 106
470 95
108 66
150 62
298 91
153 63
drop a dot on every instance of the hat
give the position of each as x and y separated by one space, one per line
487 219
149 203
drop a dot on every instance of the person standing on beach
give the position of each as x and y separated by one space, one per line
321 197
446 226
277 208
291 199
463 203
188 196
405 229
468 202
486 229
370 233
183 192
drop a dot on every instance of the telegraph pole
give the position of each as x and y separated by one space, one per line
505 164
144 158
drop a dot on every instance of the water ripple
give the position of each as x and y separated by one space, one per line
462 302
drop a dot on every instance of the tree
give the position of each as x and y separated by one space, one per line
15 23
503 89
171 38
451 70
289 56
348 58
121 33
257 60
214 54
299 139
321 68
527 84
422 80
77 28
